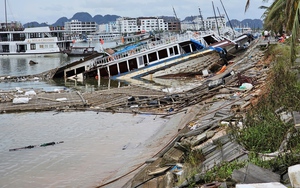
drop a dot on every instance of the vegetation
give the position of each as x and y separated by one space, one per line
263 130
283 16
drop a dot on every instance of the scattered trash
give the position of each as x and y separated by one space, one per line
31 92
246 86
21 100
61 99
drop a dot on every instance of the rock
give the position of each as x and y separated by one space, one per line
31 62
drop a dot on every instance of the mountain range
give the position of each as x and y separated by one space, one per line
99 19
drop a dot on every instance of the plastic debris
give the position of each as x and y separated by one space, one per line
31 92
246 86
21 100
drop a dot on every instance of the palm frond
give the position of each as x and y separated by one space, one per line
291 7
263 7
247 5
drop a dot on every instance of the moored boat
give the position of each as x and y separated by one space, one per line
38 41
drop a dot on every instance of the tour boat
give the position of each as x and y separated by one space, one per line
37 41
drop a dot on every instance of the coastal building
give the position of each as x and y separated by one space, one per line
79 27
143 24
210 23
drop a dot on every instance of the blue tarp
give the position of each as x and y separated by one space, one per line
128 48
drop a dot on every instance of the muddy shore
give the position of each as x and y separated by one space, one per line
204 107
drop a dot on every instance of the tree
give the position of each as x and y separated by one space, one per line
283 15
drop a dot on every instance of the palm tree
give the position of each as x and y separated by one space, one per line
283 14
274 16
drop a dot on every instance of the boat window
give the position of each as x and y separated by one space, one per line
3 37
123 67
51 46
171 51
186 48
152 57
5 48
132 64
176 50
46 46
141 61
145 60
18 37
32 47
41 46
21 48
162 54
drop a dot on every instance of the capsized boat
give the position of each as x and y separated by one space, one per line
147 57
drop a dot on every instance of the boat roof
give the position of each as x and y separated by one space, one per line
37 29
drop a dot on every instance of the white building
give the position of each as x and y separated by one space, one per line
211 23
130 25
79 27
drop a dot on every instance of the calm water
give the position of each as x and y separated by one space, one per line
93 150
19 66
97 147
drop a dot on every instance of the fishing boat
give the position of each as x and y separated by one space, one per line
38 41
147 57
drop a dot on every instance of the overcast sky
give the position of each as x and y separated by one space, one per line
50 10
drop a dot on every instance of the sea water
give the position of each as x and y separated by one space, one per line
97 148
20 67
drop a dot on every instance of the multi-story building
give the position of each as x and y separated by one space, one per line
211 23
143 24
79 27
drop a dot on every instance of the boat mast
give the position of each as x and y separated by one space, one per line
216 18
220 17
5 14
227 17
201 17
176 17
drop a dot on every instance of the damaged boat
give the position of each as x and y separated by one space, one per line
147 57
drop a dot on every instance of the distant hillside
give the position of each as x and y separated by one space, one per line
81 16
99 19
254 24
